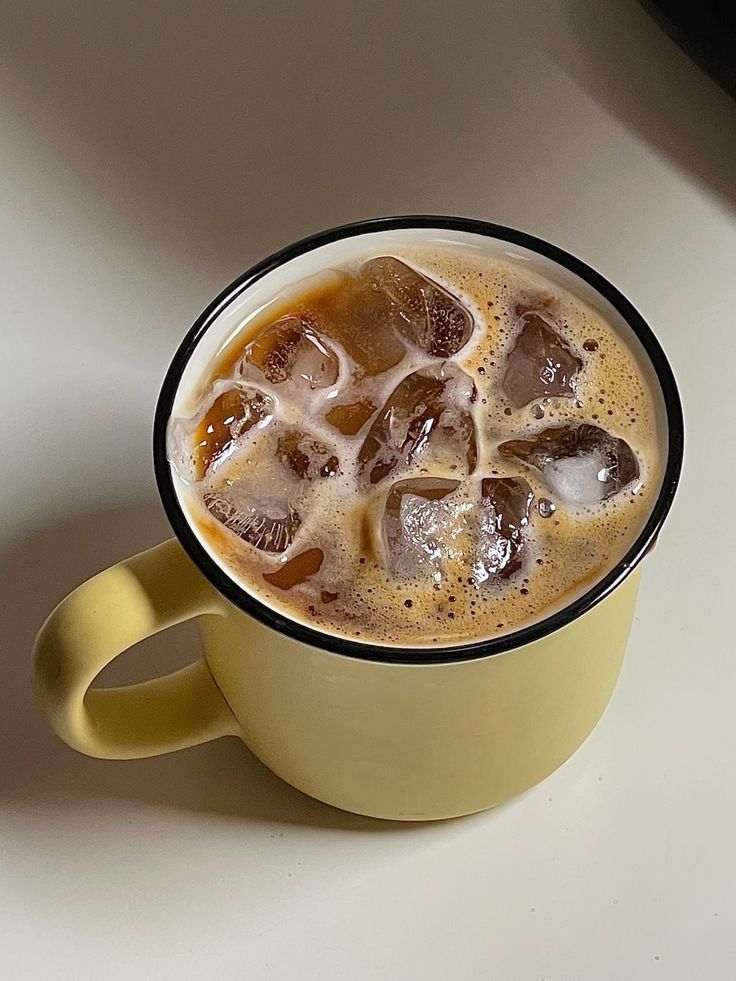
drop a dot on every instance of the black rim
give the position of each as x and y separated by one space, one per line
398 655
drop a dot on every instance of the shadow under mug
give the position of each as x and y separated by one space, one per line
407 734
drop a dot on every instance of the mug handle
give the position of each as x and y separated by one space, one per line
103 617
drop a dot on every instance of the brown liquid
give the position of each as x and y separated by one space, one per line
331 568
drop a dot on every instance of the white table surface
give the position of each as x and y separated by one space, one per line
149 152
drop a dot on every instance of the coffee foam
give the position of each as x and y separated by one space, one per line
565 554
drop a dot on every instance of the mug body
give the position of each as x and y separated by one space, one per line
413 733
418 742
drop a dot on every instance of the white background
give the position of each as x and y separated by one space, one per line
149 152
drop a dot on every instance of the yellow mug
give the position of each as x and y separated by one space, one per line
406 734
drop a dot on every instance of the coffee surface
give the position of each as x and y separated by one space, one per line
431 447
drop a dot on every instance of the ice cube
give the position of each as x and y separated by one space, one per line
420 526
306 456
267 524
539 364
503 514
430 406
357 318
581 464
291 350
263 493
420 310
230 416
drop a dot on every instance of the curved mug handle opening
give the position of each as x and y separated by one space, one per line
103 617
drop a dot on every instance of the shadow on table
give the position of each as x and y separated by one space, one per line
221 777
618 54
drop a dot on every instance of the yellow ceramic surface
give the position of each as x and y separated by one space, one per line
402 741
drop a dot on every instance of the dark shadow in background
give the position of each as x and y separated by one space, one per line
221 777
618 54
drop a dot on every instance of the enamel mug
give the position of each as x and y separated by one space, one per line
401 733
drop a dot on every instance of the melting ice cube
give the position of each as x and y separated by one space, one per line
291 350
502 516
539 364
420 310
430 406
581 464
